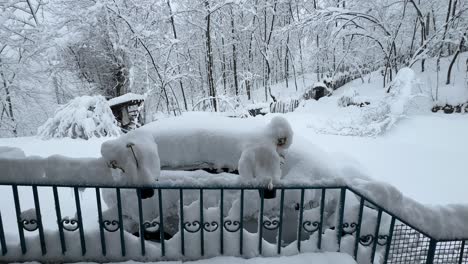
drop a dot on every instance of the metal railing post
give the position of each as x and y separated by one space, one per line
431 251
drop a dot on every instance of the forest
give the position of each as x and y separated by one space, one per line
178 52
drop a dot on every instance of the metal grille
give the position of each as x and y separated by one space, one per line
464 256
448 252
408 246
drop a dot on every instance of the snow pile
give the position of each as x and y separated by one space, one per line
131 159
406 96
83 117
262 163
10 152
202 140
134 156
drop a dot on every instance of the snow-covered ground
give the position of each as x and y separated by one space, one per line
423 155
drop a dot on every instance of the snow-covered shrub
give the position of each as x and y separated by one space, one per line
83 117
348 98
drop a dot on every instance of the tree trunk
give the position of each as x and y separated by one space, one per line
234 55
178 67
449 72
209 55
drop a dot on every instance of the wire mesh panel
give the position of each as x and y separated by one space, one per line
448 252
408 245
464 253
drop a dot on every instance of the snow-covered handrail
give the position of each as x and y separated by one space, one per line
351 217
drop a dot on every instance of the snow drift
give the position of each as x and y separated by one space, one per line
83 117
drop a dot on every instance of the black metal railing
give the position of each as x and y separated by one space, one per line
193 222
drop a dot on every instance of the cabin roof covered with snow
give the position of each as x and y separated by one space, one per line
128 97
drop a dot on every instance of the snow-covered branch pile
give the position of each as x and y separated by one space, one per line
83 117
405 96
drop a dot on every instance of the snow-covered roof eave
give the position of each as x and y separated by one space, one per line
128 97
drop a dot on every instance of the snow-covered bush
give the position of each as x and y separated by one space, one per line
348 98
83 117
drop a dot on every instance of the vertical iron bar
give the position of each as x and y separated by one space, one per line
59 219
389 241
37 206
18 218
241 230
431 251
358 228
322 208
142 226
299 226
460 260
280 229
221 222
2 237
101 229
376 234
260 224
161 223
202 224
341 216
119 211
80 221
181 220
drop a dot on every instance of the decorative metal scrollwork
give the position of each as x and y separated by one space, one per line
310 226
271 225
111 226
69 224
29 224
210 226
228 224
151 226
366 240
192 227
382 240
349 228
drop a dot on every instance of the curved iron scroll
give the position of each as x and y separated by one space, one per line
111 226
382 240
349 228
195 224
25 223
228 224
210 226
271 225
69 224
310 226
150 225
366 240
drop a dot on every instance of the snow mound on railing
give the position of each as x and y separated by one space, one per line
83 117
131 159
203 140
